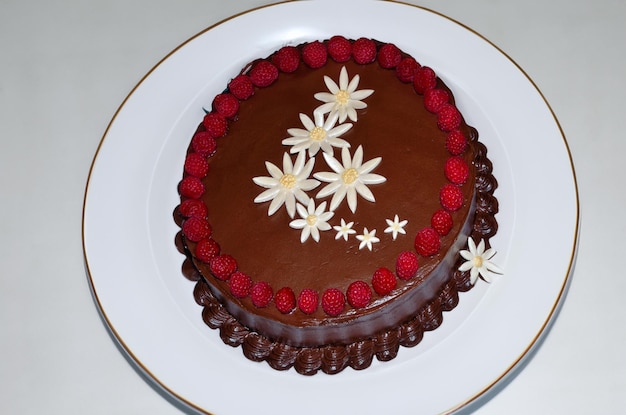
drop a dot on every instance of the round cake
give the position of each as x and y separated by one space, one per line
333 204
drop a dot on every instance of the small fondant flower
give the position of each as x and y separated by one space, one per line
344 230
478 261
396 226
288 185
313 220
350 177
343 98
367 239
319 134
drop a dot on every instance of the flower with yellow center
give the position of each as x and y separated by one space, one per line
344 98
288 185
349 178
367 238
318 133
312 220
478 261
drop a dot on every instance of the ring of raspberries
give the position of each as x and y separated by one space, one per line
263 73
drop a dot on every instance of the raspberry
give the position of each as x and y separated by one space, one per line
287 59
207 249
441 221
193 207
191 187
364 51
405 71
285 300
261 294
240 284
359 294
314 54
241 87
227 105
427 242
195 228
383 281
435 98
451 197
389 56
457 170
196 165
203 143
406 265
308 300
333 301
424 79
339 48
263 74
215 124
456 142
448 118
223 266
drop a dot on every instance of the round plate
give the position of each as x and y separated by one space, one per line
134 268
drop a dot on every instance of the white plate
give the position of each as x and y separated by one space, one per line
134 268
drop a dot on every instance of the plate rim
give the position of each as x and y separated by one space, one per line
535 341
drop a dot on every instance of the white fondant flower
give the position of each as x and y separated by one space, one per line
350 177
344 230
317 134
478 261
396 226
343 98
367 239
288 185
312 220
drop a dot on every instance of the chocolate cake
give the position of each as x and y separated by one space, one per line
326 199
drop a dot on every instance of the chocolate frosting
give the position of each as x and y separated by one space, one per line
396 127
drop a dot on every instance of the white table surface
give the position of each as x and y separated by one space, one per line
65 67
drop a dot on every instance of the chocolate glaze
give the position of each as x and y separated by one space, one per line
395 126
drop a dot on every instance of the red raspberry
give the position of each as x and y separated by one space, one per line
263 74
203 143
240 284
333 301
406 265
405 71
261 294
215 124
427 242
451 197
339 48
364 51
227 105
435 98
425 78
196 165
314 54
308 301
441 221
191 187
389 56
457 170
195 228
241 87
207 249
448 118
383 281
359 294
287 59
193 207
456 142
285 300
223 266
